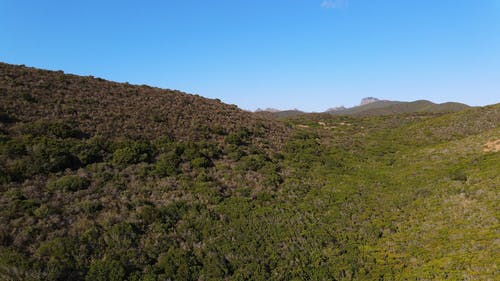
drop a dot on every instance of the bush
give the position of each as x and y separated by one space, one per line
105 270
149 214
17 171
458 175
61 130
273 179
13 264
253 162
164 144
120 236
234 152
4 175
167 165
201 162
53 156
61 256
14 148
239 138
94 150
133 153
42 212
29 97
177 264
90 207
6 118
172 213
69 183
234 139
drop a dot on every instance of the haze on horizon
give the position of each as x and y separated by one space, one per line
310 55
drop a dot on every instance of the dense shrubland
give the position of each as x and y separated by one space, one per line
337 198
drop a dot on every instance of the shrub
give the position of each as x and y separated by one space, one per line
6 118
177 264
69 183
17 171
149 214
13 148
13 264
61 129
218 130
90 207
53 156
209 150
94 150
133 153
29 97
253 162
458 175
273 179
120 236
234 152
4 175
3 137
201 162
60 254
167 165
234 139
173 212
105 270
164 144
42 212
240 137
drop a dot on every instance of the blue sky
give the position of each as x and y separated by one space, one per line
307 54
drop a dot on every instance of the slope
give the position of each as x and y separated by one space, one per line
389 197
445 222
395 107
99 107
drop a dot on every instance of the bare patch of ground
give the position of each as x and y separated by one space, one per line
492 146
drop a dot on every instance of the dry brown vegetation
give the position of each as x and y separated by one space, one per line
492 146
99 107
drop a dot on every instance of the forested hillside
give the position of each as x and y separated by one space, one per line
109 181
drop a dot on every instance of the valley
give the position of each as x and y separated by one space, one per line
109 181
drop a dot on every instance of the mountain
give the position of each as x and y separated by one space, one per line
288 113
335 109
368 100
272 110
110 181
276 113
372 106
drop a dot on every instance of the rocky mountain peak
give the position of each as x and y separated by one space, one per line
368 100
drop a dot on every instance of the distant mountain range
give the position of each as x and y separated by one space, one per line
371 106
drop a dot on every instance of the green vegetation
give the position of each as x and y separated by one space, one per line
396 197
68 183
395 107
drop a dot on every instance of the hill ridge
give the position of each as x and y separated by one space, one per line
108 108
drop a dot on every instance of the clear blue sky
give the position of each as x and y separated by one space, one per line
307 54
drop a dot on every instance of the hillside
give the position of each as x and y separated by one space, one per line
280 113
375 107
108 181
395 107
99 107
